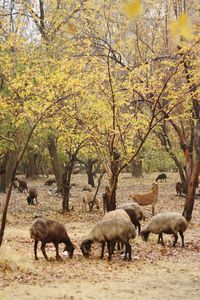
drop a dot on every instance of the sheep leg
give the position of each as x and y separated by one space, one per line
160 239
43 250
102 250
35 249
175 239
182 238
109 246
153 209
139 227
58 257
127 251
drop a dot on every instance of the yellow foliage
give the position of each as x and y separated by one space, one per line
182 27
133 8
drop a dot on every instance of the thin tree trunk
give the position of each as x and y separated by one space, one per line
55 161
189 201
3 175
12 157
31 165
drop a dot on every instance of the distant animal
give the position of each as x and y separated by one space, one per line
87 187
179 188
162 177
48 231
166 222
22 186
106 197
149 198
50 182
32 197
87 199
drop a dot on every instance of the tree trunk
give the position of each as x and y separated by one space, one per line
66 183
31 165
12 157
181 171
89 170
55 161
3 174
136 168
189 201
113 184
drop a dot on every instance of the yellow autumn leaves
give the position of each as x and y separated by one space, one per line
181 27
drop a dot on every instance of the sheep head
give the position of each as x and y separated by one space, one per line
69 248
86 247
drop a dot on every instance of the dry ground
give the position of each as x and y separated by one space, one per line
156 272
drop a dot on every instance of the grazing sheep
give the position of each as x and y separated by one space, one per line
166 222
110 231
118 214
149 198
87 187
179 188
87 199
136 207
133 217
48 231
50 182
32 197
162 177
22 186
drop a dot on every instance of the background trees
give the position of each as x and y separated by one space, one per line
107 78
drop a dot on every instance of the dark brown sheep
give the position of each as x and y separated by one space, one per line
22 186
48 231
32 197
162 177
179 188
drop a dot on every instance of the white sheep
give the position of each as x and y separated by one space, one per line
87 199
149 198
87 187
110 231
166 222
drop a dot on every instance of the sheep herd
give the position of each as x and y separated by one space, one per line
117 227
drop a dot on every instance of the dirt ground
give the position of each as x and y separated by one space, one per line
156 272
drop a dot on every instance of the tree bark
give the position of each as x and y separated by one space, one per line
31 165
113 184
3 175
66 180
136 168
55 161
189 201
12 157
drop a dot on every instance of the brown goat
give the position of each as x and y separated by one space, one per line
48 231
149 198
22 186
179 188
